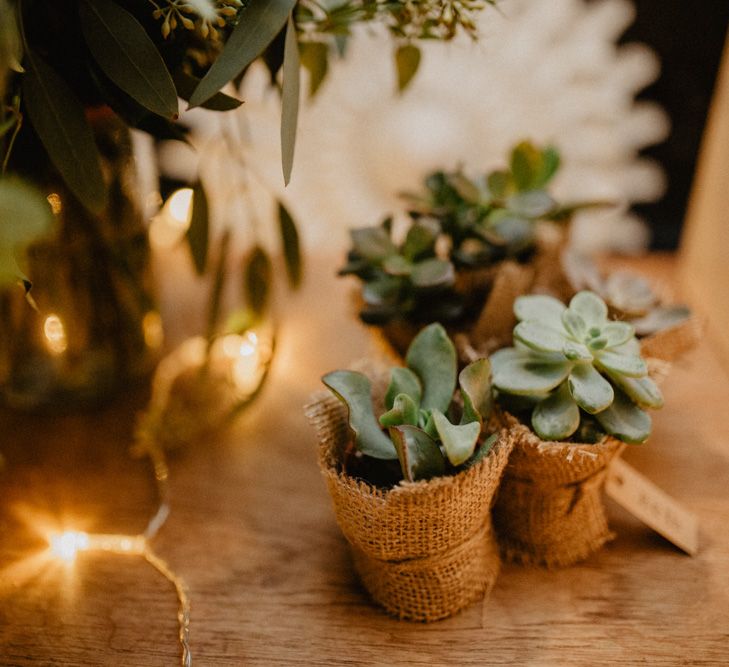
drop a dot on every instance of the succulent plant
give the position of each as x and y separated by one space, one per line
457 224
627 295
573 364
428 426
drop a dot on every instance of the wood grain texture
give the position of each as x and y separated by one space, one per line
253 533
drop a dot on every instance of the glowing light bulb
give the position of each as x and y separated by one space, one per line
66 545
55 334
169 226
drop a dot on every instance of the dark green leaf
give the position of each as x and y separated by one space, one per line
549 164
433 273
258 273
404 410
289 100
525 164
372 243
128 56
198 232
186 84
483 451
432 357
314 56
475 383
499 183
420 239
420 457
59 120
355 391
291 246
407 59
257 25
403 381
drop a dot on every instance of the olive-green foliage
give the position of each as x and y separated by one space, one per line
427 431
574 364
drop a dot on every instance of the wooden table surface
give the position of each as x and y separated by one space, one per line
253 534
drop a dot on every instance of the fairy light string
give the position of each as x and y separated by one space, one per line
67 544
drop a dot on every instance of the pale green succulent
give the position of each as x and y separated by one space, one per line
572 362
426 429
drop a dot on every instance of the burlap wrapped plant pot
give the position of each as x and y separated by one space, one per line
549 509
423 550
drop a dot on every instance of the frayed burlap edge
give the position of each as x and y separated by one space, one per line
423 550
549 510
672 343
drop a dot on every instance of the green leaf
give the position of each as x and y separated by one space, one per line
539 337
420 457
372 243
499 183
576 351
525 165
407 59
475 383
642 391
556 417
574 324
403 381
522 373
550 162
420 240
397 265
257 26
531 204
544 309
632 366
590 307
258 274
483 451
625 421
198 232
59 120
432 357
459 441
289 99
591 390
355 391
25 215
617 333
663 317
291 246
315 57
127 55
404 411
433 273
511 230
186 83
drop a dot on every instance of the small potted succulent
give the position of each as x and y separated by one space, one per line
573 389
471 247
666 331
412 487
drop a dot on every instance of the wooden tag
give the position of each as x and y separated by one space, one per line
645 501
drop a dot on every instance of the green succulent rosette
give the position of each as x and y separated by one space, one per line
572 364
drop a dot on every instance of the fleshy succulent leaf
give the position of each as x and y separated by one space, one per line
397 265
590 307
420 457
475 383
643 391
420 239
556 417
354 390
531 204
590 390
433 272
576 351
544 309
403 411
522 373
574 324
632 366
625 420
432 357
617 333
373 243
459 441
403 381
538 337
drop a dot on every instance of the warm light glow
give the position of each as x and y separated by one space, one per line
66 545
152 327
55 201
247 355
55 334
170 224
